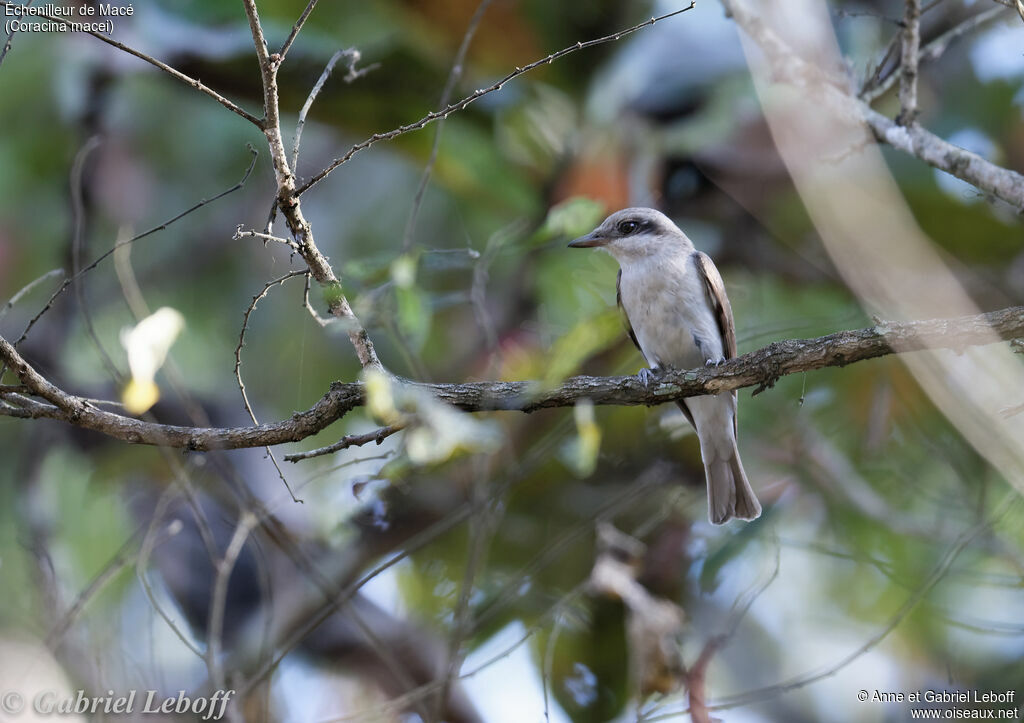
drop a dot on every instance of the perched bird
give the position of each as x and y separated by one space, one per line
679 317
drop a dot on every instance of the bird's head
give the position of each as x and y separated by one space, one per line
635 233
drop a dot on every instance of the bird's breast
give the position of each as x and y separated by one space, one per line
668 309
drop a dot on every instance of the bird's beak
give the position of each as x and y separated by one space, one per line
590 240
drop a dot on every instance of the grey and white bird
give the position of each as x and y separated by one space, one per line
679 317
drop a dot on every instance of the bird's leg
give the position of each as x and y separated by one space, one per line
708 361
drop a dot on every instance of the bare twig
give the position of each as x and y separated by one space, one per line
241 233
910 47
481 276
10 38
482 524
1017 5
287 201
53 273
459 105
446 94
307 622
149 541
349 440
549 663
697 674
238 364
309 307
353 56
918 595
77 239
317 87
130 288
880 84
761 368
295 29
268 66
218 601
158 64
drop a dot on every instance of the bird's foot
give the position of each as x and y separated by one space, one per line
715 362
646 376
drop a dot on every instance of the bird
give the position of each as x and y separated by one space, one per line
679 317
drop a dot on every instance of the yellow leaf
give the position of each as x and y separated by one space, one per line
139 396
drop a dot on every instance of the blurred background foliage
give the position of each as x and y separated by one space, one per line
866 486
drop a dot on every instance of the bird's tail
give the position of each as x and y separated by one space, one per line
729 493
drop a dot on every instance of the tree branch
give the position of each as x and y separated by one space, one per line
287 199
238 363
939 153
880 83
761 368
353 56
349 440
295 29
1002 183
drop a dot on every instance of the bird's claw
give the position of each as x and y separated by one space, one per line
646 376
714 362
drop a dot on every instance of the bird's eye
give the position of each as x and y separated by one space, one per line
628 227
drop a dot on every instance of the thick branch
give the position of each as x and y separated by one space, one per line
761 368
984 175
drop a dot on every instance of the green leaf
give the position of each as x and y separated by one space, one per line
413 316
587 338
571 218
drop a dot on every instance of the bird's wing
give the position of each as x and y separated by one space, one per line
715 289
625 316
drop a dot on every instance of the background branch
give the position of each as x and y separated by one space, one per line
997 181
880 83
